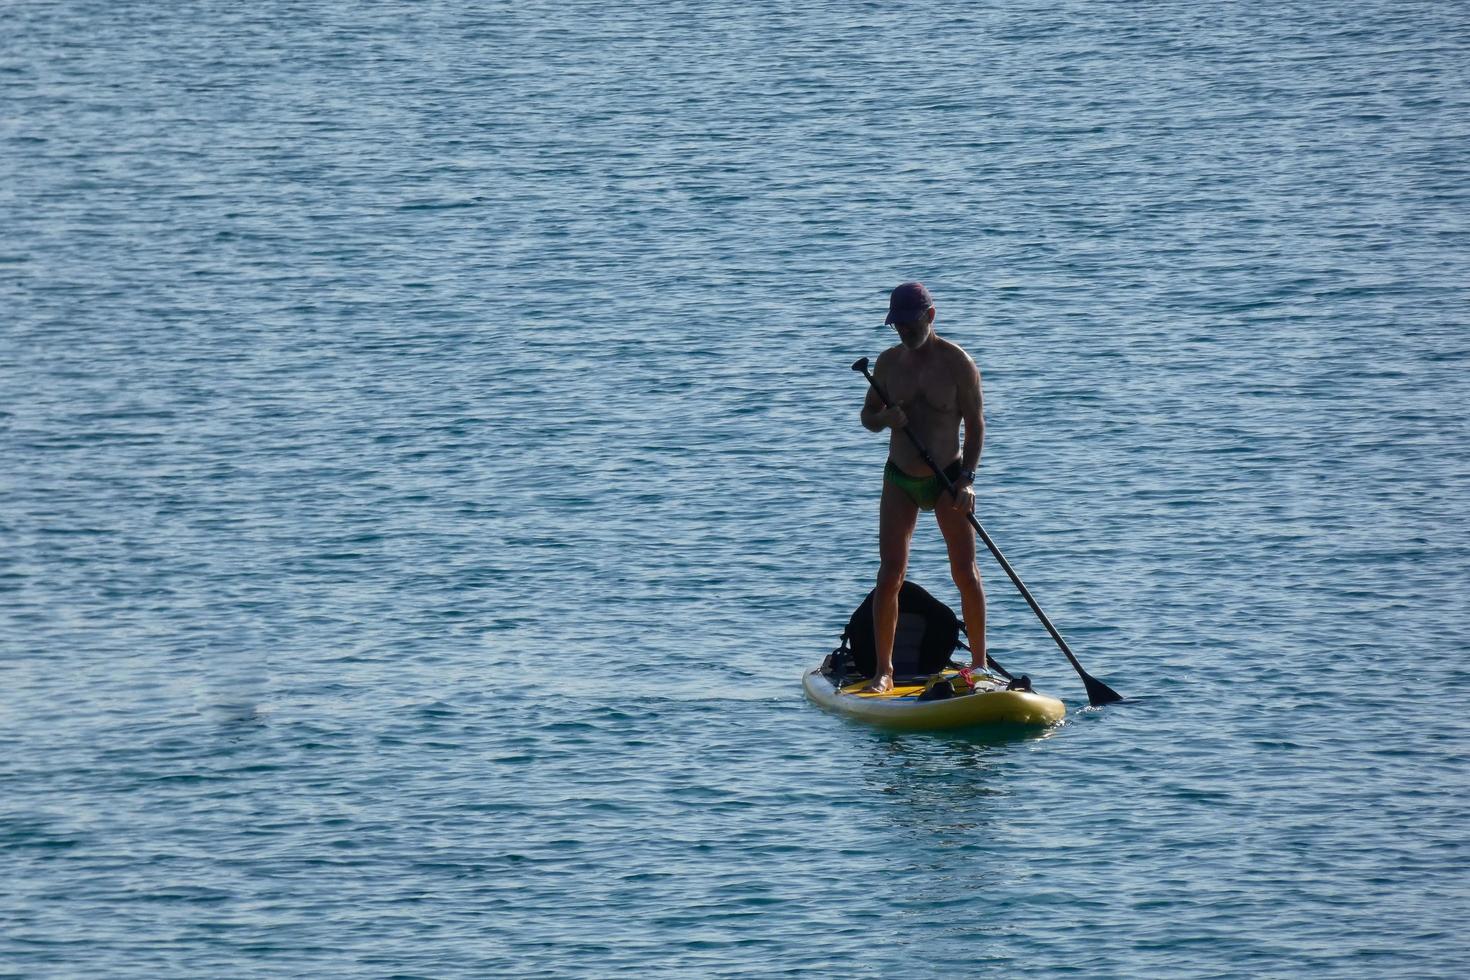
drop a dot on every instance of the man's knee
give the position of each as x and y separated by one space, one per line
966 576
890 578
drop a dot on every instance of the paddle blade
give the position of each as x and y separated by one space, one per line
1098 693
861 364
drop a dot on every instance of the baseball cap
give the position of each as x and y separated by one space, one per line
907 302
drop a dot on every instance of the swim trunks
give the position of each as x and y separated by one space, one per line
922 490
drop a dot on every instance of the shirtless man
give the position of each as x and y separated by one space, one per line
933 387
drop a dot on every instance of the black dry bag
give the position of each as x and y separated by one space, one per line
928 632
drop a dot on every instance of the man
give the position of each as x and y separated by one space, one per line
933 386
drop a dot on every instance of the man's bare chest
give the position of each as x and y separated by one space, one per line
930 387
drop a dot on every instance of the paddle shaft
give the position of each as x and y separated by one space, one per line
1097 692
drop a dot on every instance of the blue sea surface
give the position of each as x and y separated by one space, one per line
431 461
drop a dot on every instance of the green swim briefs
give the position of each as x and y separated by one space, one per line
922 490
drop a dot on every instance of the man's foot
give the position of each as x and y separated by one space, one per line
882 684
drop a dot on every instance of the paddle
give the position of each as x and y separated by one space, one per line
1098 693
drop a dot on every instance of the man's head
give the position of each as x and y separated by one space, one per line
911 312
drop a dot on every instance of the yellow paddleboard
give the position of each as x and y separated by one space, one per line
988 704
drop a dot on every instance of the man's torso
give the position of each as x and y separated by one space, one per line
927 385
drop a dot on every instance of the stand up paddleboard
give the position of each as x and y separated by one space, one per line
913 706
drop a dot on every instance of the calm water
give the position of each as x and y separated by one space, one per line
431 460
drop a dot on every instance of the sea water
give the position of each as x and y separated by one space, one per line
431 460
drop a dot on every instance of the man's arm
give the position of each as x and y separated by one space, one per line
875 417
972 413
872 408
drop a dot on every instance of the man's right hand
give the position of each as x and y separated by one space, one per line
892 417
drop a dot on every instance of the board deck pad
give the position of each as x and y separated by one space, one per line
983 683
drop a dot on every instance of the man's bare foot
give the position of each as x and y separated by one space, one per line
882 684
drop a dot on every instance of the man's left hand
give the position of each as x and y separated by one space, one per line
963 499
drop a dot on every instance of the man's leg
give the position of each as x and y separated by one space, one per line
897 515
959 537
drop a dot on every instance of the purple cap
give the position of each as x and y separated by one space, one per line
907 302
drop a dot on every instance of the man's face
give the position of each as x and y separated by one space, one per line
914 331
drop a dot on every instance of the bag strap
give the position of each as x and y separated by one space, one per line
838 660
